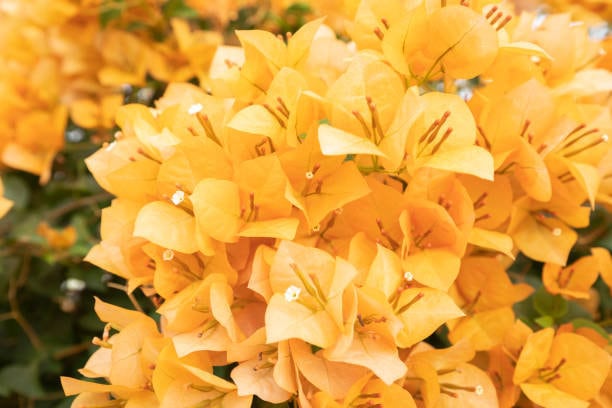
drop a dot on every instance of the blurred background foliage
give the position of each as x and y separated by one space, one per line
47 318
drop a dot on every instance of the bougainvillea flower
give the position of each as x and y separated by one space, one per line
119 69
369 340
201 317
57 239
308 286
319 184
432 244
534 231
334 378
119 252
265 55
574 280
189 381
561 39
422 311
437 377
125 359
265 370
561 369
461 40
444 138
486 295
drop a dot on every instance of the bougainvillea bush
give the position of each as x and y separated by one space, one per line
404 204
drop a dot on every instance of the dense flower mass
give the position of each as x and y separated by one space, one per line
312 211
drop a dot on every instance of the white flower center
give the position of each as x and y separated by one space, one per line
168 255
178 197
479 390
556 232
195 108
408 276
292 293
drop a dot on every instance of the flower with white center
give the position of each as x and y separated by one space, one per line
168 255
195 108
292 293
178 197
309 175
408 276
479 390
605 137
556 232
316 228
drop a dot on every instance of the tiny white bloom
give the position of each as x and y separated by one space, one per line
408 276
316 228
605 137
178 197
309 175
168 255
556 232
479 390
292 293
195 108
535 59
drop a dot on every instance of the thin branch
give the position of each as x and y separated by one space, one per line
71 350
129 295
14 284
73 205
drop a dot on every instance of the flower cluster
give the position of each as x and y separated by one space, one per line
310 218
60 62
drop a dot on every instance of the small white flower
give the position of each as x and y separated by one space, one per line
309 175
556 232
195 108
292 293
178 197
168 255
605 137
316 228
535 59
408 276
479 390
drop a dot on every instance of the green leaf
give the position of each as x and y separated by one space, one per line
224 371
259 403
178 8
22 379
549 305
582 322
545 321
17 190
4 390
111 11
